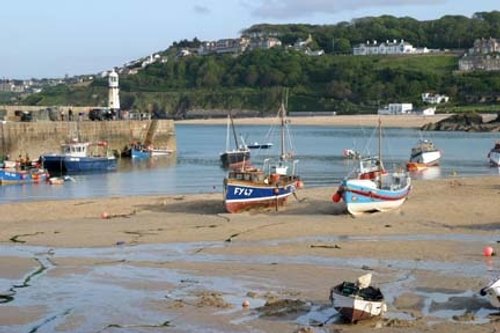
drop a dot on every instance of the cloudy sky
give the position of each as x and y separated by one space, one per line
57 37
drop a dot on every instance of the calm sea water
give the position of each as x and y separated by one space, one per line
195 168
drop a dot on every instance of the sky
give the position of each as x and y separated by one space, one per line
54 38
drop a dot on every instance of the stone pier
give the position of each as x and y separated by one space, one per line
36 138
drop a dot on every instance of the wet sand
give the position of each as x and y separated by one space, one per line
402 121
179 263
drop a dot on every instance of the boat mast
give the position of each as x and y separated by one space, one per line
234 132
282 115
227 133
380 164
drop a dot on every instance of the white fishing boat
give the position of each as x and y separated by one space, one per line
494 155
423 155
493 293
358 300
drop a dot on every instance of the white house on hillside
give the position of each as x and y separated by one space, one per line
387 48
434 98
396 109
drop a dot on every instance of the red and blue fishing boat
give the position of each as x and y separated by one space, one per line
250 188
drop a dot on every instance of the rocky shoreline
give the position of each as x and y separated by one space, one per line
467 122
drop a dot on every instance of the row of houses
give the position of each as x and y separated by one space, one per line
387 48
25 86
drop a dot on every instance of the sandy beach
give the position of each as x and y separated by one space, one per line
402 121
181 264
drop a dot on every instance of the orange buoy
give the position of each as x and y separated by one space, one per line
488 251
275 177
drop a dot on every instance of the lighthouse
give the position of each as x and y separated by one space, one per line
114 93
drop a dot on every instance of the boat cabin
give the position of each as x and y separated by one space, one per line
84 149
423 146
75 149
254 175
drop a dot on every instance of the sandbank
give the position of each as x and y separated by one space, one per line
183 257
403 121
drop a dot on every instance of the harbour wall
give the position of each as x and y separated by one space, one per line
36 138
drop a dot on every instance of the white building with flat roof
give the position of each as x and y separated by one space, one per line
396 109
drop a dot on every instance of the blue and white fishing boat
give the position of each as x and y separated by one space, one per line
142 152
250 188
80 157
386 191
17 175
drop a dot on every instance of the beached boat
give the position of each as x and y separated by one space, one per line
375 190
237 156
494 155
80 157
423 155
493 293
358 300
249 187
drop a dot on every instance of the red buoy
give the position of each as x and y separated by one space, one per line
336 197
488 251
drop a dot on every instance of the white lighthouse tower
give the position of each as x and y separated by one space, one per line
114 93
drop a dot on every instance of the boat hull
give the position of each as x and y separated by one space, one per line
427 158
362 196
22 177
494 158
240 197
139 154
354 309
67 164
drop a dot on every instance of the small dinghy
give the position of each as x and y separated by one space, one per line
493 293
358 300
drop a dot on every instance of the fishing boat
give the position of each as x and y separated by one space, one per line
494 155
493 293
377 190
16 175
257 145
139 151
249 187
237 156
424 154
358 300
80 157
